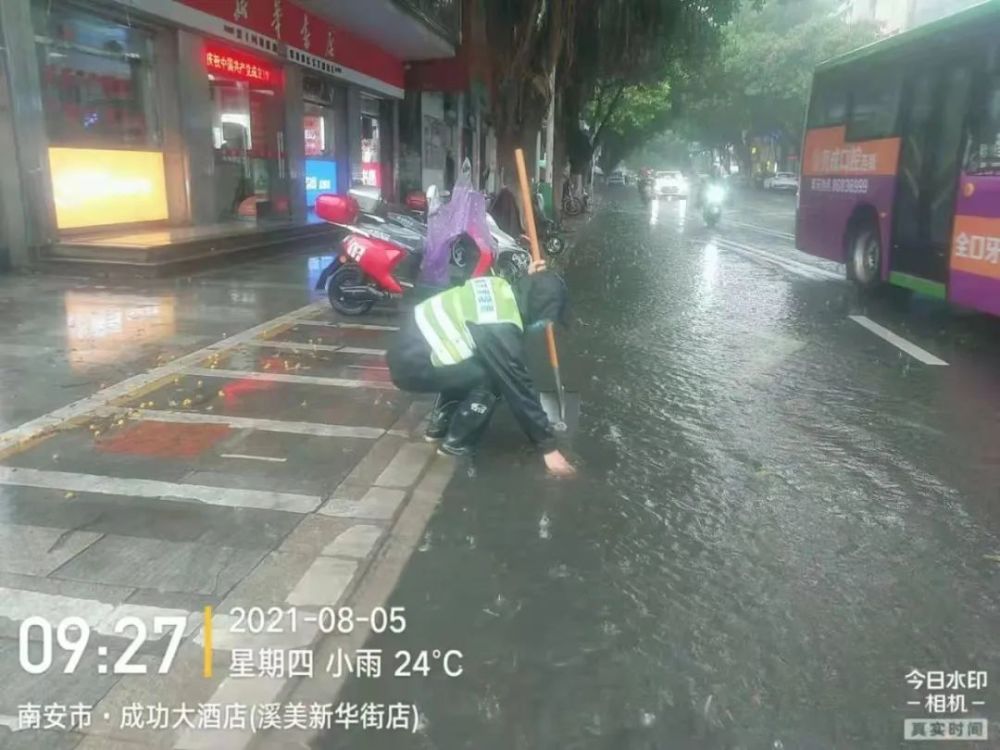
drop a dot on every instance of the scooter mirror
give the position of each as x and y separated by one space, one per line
433 200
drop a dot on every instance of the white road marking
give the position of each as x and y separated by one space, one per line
354 326
377 504
406 466
147 614
151 488
899 342
369 367
37 427
323 583
250 423
281 377
357 542
301 348
797 267
20 604
11 722
759 228
248 457
757 255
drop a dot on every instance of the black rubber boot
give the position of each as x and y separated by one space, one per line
469 423
440 418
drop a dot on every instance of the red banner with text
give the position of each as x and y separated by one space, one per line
295 26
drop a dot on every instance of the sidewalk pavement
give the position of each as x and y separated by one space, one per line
219 441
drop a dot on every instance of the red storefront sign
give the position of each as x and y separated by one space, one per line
234 64
287 22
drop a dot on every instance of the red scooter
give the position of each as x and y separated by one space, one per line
380 262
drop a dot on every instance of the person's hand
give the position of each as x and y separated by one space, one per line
557 464
536 266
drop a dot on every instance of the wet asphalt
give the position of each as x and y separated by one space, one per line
778 514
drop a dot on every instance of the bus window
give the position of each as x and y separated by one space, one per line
984 147
874 107
829 104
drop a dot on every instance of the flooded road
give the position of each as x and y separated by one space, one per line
778 516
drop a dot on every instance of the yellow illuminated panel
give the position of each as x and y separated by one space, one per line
92 186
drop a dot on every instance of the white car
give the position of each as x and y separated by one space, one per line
616 178
782 181
671 184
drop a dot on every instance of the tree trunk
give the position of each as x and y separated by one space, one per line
506 144
558 161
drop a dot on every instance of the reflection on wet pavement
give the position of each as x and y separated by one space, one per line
71 336
99 325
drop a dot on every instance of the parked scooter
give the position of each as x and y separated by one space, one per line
506 215
711 208
550 234
381 262
513 258
373 209
575 202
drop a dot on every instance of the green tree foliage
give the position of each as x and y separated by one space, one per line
643 111
758 82
613 74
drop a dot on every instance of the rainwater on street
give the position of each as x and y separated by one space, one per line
778 516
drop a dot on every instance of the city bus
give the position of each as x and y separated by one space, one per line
901 161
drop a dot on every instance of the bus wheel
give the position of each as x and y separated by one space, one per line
864 265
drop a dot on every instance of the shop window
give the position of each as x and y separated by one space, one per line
96 80
371 151
317 125
321 164
247 134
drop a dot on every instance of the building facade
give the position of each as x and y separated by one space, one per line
925 11
445 117
892 15
129 115
895 16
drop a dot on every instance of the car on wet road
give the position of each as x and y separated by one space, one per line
671 184
782 182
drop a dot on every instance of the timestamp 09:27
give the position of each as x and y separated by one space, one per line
40 639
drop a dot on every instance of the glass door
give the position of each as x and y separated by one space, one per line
248 138
321 159
933 142
371 153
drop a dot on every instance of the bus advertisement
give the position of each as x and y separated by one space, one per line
901 161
